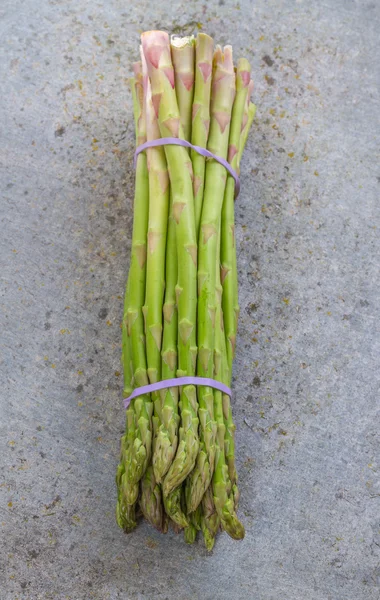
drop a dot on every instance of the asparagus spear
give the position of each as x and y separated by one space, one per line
127 493
221 483
225 489
173 506
222 98
155 269
228 250
195 525
182 51
249 115
167 434
125 513
210 520
128 376
201 116
151 501
126 352
156 49
240 123
136 447
141 448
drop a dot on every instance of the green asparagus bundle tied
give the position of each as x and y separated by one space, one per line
177 459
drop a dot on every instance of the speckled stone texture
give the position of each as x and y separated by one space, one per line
306 381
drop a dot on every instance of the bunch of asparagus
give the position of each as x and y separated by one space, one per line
177 463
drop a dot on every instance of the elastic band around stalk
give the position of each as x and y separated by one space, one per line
202 151
175 382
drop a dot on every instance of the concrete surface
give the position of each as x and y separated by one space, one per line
306 389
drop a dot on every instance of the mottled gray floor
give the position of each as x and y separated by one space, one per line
306 388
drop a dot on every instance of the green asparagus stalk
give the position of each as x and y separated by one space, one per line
136 449
190 534
141 447
229 432
228 249
221 483
228 274
122 509
249 115
167 435
126 352
125 513
221 105
182 51
173 505
201 116
126 360
156 49
210 520
155 269
195 525
127 491
151 501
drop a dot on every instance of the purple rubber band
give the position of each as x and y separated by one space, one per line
168 383
186 144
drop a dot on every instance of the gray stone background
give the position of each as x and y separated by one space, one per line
306 385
